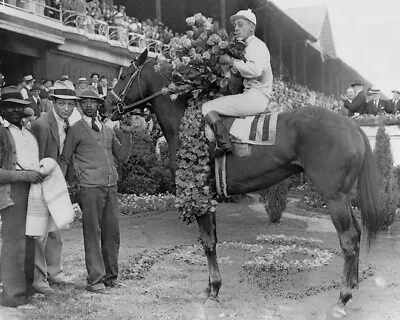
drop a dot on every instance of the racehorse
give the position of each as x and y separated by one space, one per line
330 148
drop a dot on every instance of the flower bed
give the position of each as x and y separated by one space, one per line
272 252
131 204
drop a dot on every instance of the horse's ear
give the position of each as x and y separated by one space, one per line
142 58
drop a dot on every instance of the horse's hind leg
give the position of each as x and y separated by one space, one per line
349 232
208 236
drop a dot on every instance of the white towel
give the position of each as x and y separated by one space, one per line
49 205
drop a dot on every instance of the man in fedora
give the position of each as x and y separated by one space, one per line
19 167
34 98
94 146
393 105
359 103
257 73
50 131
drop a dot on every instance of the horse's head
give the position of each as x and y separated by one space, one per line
129 88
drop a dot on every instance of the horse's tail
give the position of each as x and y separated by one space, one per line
368 192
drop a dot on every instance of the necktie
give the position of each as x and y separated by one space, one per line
66 126
95 127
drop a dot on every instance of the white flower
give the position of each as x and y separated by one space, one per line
206 55
190 21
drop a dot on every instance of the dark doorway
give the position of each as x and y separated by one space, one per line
14 66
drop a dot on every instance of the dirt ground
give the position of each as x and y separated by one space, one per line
163 273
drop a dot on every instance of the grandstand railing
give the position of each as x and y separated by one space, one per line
87 26
37 7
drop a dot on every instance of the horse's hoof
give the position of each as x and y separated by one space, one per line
213 298
207 291
338 312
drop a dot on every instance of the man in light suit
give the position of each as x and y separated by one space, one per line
50 131
393 105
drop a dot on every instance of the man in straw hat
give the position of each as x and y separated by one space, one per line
19 167
393 105
50 131
94 147
257 73
359 102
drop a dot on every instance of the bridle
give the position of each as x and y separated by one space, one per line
121 106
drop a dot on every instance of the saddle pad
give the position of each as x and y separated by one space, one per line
258 130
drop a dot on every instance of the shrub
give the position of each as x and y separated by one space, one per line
144 172
275 199
387 184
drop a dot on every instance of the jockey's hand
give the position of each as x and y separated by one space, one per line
226 59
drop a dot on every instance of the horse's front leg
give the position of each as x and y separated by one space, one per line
208 236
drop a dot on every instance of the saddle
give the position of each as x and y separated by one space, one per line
245 131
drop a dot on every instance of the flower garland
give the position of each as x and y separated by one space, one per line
197 74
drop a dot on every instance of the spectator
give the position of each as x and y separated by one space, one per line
95 80
50 131
19 168
393 105
102 88
82 85
359 103
376 105
348 98
94 147
27 84
113 83
46 85
35 99
29 116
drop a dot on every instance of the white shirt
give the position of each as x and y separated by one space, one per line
61 129
88 120
26 147
257 69
24 93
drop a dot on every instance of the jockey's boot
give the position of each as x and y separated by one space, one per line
222 140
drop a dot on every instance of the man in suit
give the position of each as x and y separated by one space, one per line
348 98
358 104
19 167
50 131
94 146
376 104
102 88
393 105
35 99
94 78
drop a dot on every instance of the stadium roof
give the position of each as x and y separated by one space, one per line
315 19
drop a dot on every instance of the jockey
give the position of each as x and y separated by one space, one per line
257 73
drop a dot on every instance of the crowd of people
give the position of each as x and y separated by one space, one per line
99 18
38 92
357 102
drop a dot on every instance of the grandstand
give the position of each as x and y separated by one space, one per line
48 41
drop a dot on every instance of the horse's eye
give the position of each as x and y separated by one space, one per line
122 77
